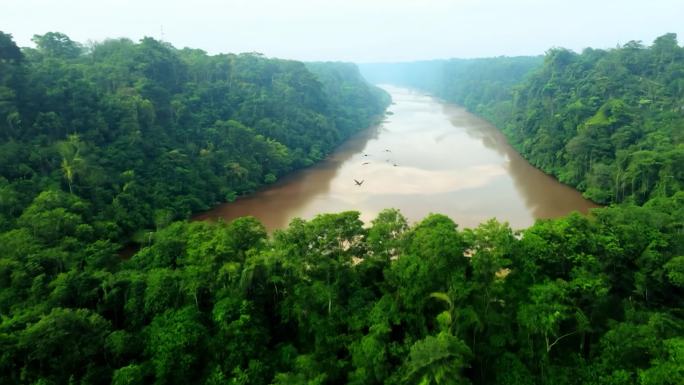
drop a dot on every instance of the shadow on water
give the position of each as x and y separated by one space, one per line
542 193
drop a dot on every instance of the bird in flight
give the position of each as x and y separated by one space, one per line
358 183
364 163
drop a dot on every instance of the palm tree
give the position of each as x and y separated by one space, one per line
72 162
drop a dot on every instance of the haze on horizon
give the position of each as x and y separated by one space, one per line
353 30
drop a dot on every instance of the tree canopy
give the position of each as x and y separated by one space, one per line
124 140
608 122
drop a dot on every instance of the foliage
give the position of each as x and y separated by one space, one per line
574 300
146 133
124 137
608 122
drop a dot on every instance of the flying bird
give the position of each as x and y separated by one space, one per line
358 183
364 163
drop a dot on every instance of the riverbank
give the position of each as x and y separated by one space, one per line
428 156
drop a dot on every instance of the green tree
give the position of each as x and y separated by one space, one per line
176 342
58 345
57 44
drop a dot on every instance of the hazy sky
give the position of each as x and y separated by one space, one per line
353 30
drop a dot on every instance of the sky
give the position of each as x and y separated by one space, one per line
353 30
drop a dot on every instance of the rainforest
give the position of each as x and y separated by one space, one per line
107 149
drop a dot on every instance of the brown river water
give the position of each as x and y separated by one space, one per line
428 156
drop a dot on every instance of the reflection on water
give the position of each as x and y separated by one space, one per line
428 156
544 196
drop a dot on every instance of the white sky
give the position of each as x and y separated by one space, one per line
353 30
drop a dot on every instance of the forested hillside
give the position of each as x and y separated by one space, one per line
141 133
608 122
351 105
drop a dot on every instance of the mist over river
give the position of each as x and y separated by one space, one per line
428 156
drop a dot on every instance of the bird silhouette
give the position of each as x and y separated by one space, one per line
358 183
364 163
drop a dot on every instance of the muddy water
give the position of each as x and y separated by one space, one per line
428 156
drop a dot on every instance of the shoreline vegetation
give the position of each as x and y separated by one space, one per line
144 133
100 142
607 122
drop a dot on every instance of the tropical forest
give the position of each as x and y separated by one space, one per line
112 150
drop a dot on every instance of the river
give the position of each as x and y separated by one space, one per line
428 156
